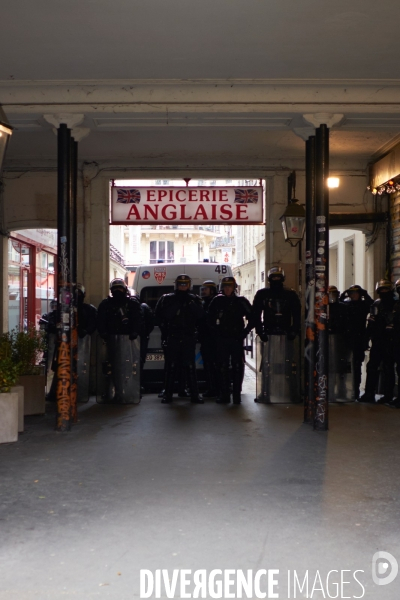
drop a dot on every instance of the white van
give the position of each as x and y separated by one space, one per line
151 282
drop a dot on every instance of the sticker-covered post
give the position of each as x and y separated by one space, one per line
309 346
321 258
64 294
73 279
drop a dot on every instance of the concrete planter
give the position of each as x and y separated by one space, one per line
9 417
19 389
34 394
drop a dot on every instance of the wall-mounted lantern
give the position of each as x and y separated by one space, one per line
294 218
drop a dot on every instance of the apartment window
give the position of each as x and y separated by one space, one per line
161 251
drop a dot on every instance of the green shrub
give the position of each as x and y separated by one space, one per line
27 349
9 371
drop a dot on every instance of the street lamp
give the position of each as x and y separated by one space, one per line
5 134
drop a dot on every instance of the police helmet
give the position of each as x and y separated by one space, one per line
397 285
383 284
355 288
227 281
118 284
183 280
208 284
333 293
276 273
80 288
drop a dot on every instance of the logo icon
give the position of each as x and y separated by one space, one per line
128 195
160 274
246 195
381 561
146 274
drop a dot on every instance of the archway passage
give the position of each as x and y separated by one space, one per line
157 248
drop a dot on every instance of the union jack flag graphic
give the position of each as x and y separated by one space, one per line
246 196
128 195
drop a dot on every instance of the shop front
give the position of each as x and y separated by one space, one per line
31 276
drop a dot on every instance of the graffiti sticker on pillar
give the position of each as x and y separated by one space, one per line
186 205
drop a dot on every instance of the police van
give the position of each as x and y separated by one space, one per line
151 282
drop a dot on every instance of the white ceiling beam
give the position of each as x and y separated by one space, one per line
369 93
292 108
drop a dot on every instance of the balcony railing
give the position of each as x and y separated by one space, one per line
223 242
177 227
116 255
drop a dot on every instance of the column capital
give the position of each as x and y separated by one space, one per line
328 119
304 132
69 119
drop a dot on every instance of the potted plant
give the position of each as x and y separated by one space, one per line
28 347
8 399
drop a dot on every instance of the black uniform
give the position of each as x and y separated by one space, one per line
356 313
121 316
148 319
48 322
225 316
87 318
380 330
277 311
396 350
177 315
208 351
337 318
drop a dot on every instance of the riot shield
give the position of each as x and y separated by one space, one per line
340 380
50 364
84 345
278 380
118 370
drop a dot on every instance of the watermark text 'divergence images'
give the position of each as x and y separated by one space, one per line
266 583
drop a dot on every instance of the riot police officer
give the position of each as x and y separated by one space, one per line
395 402
177 315
208 349
87 313
337 314
277 312
48 323
338 350
357 303
380 329
380 332
119 314
148 320
119 317
225 315
86 325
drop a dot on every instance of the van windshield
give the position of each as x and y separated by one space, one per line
151 295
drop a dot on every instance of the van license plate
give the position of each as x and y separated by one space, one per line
155 357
